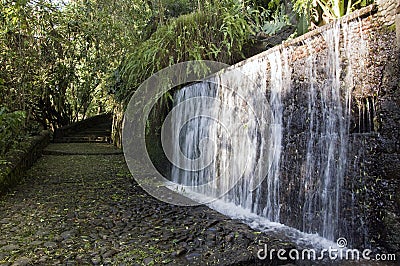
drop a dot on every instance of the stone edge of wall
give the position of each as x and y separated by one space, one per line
387 11
20 161
361 13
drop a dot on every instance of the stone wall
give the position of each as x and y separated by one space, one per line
370 202
378 201
374 166
20 160
387 10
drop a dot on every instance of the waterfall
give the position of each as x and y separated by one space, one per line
326 142
221 122
272 207
242 129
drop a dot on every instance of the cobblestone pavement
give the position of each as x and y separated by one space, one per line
84 209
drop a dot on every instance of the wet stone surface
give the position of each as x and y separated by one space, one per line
86 210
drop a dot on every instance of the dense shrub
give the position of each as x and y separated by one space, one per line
216 33
12 129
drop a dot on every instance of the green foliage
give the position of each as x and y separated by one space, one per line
59 61
280 19
319 12
55 60
216 33
270 17
12 129
174 9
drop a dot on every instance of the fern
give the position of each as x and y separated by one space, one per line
217 33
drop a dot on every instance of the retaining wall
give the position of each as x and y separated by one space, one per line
369 215
21 160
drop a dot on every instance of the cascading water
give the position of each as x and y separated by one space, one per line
326 143
243 131
213 119
271 210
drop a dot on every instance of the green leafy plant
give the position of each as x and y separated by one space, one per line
55 58
215 33
280 19
319 12
12 128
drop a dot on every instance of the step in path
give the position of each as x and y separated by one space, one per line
93 129
78 205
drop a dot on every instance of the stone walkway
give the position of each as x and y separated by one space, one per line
78 205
